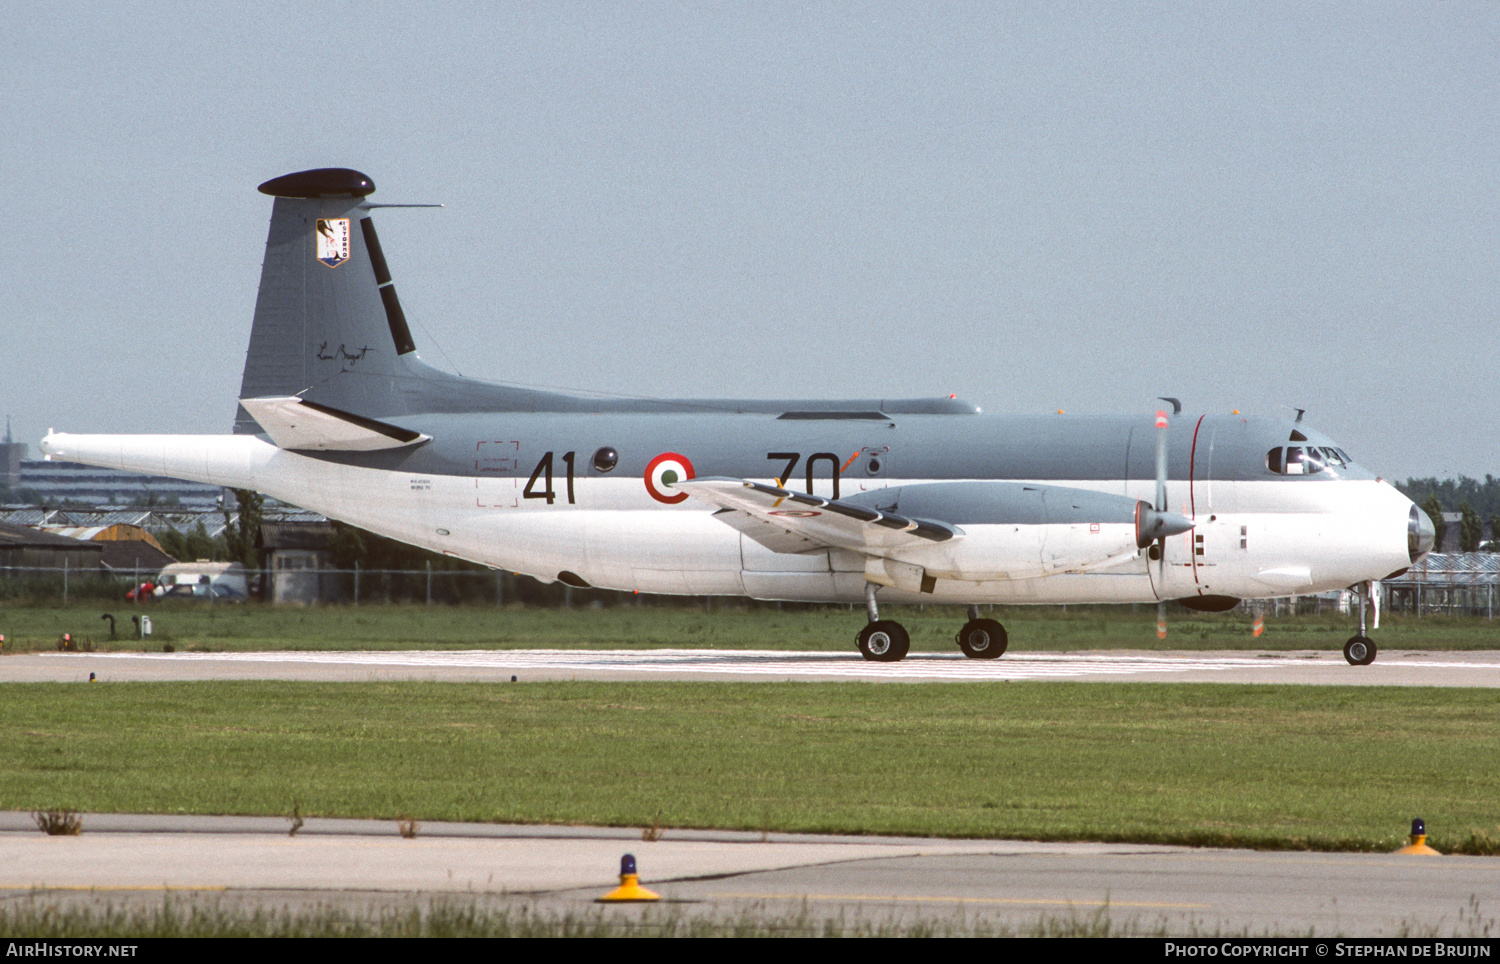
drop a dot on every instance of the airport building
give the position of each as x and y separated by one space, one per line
1452 583
56 483
155 520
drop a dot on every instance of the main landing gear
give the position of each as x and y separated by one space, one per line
886 641
882 640
1360 649
981 638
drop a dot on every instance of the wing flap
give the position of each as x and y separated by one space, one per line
773 537
293 423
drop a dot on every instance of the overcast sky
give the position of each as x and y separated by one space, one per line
1036 206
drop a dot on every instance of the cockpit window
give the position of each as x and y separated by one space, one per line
1298 460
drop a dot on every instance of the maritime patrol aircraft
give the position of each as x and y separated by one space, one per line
848 500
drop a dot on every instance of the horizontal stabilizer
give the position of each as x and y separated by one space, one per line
818 521
296 424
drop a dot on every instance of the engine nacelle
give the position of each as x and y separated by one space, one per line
1019 531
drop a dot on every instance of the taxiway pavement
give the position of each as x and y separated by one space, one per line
367 864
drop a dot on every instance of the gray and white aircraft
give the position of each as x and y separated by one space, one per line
910 500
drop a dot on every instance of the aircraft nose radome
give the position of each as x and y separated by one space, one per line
1420 534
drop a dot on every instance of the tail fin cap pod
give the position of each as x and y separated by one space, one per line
320 183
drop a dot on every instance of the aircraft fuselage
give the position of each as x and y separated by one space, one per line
564 494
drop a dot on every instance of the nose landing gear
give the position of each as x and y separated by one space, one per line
1360 649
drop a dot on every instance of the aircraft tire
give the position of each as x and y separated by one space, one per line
884 641
982 639
1360 651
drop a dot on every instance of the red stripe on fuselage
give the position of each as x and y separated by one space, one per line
1193 497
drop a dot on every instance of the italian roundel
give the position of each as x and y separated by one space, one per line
665 471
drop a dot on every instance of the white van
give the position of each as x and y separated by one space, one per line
203 580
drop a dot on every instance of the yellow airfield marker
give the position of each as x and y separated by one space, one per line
630 888
1418 843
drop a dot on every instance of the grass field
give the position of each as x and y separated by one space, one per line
720 624
210 915
1254 766
199 914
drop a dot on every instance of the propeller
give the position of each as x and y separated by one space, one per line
1161 506
1166 524
1153 526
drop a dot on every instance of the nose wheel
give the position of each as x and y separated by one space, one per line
1360 650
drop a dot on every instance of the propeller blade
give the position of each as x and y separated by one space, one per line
1161 461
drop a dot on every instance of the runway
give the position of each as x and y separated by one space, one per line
1395 668
365 865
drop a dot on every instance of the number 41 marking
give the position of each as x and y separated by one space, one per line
543 471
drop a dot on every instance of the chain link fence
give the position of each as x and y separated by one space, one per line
42 585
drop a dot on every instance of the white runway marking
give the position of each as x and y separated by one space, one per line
934 666
772 664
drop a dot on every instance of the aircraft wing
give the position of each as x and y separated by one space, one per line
786 521
294 423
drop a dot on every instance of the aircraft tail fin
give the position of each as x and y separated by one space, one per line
329 330
328 324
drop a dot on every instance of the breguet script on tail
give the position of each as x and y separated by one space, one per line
847 500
